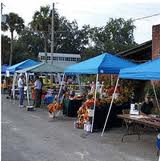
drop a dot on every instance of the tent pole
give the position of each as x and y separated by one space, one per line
79 83
13 85
113 96
95 97
27 77
60 89
155 94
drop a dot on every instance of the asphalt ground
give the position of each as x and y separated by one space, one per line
32 136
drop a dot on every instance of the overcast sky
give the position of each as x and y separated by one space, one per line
94 12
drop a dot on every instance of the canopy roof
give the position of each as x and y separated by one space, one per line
42 68
103 64
22 65
3 69
146 71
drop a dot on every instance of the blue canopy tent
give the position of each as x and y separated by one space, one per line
146 71
4 68
22 65
103 64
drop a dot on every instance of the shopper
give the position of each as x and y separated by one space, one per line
38 88
21 90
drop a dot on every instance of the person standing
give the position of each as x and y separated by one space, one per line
38 88
21 90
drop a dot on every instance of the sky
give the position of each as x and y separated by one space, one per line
94 12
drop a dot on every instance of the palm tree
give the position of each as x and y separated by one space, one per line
41 23
13 23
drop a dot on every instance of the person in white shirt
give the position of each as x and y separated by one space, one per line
38 88
21 90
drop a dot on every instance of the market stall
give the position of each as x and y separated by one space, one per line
39 68
18 66
102 64
146 71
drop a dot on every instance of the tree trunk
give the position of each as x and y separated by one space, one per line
11 54
45 48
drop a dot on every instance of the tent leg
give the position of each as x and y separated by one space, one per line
155 94
27 77
60 89
95 97
13 85
113 96
79 83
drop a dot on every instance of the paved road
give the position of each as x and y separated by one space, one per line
31 136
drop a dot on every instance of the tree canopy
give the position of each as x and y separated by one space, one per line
115 36
13 23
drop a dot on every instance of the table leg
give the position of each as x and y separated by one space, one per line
134 131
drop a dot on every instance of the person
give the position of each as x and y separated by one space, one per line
146 106
4 85
38 89
21 90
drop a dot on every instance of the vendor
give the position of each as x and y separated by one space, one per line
147 106
72 95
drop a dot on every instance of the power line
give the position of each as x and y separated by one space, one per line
157 14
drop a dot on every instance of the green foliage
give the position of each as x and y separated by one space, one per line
149 90
5 49
13 23
114 37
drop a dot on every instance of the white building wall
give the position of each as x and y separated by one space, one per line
60 59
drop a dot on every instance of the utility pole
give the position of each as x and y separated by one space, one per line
52 39
2 7
52 35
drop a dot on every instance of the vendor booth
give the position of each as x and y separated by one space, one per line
22 65
146 71
39 68
103 64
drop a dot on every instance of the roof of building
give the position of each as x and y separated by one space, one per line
140 53
139 48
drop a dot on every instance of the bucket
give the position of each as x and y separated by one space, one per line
87 127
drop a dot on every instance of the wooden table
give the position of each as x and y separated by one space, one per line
140 120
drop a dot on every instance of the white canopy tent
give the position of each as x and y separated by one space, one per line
39 68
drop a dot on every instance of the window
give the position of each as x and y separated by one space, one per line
74 59
42 57
61 58
66 59
48 58
55 58
78 59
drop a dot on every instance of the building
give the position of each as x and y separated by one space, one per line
145 51
60 59
156 41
